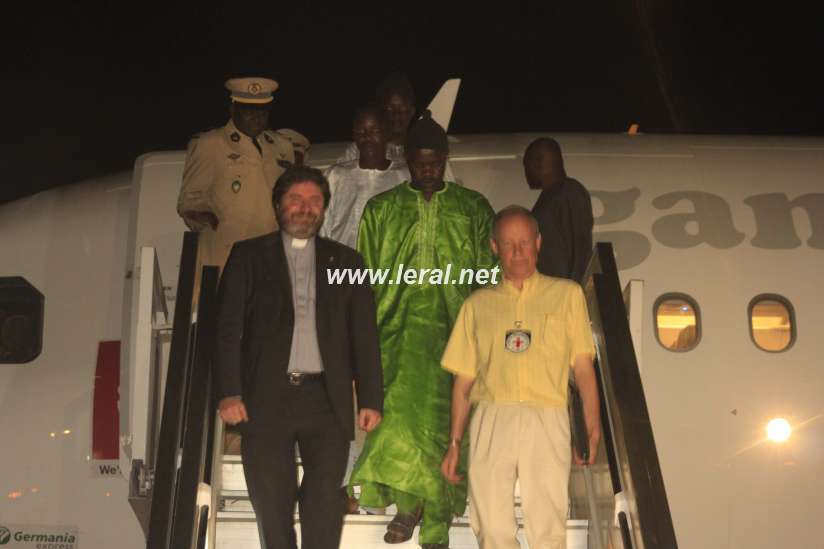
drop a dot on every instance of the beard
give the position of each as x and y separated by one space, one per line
299 225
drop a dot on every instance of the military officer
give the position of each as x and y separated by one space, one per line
229 173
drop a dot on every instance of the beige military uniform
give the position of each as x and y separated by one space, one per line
226 174
299 141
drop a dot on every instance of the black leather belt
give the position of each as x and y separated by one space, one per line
299 378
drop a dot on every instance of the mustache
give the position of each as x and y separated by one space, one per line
306 217
300 224
298 218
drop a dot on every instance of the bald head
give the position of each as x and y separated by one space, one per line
543 145
512 212
543 164
516 242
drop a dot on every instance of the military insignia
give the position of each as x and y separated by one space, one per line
235 137
236 186
268 138
254 88
517 341
233 156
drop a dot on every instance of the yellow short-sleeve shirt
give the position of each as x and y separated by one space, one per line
546 326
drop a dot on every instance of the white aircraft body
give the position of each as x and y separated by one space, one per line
720 220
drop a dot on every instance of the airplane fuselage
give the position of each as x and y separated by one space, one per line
720 220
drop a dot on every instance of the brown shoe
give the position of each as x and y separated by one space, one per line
350 504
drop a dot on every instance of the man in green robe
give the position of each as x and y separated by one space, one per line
427 223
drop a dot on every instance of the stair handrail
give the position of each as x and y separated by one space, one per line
183 459
642 515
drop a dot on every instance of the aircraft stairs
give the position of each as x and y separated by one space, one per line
236 526
194 496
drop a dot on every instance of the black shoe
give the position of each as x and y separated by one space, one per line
401 528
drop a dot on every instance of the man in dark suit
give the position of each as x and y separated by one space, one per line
289 346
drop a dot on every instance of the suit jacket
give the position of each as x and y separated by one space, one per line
256 319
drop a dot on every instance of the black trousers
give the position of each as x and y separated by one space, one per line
304 417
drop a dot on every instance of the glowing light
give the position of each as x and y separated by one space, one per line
108 494
52 435
15 494
779 430
67 432
675 321
35 490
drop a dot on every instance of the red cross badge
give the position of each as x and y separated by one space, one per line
517 341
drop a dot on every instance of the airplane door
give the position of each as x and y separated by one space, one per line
634 302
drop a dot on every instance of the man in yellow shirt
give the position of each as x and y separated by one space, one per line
511 349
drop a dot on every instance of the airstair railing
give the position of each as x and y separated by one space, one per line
164 481
181 483
195 470
580 445
625 484
141 377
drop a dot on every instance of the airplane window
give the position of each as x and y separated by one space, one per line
21 321
772 323
677 322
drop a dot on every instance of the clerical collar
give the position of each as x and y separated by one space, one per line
296 243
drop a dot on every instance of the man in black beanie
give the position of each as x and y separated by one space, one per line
430 226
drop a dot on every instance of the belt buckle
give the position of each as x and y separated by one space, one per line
295 378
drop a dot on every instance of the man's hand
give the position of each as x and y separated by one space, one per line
449 465
587 383
232 410
368 419
594 440
203 218
461 387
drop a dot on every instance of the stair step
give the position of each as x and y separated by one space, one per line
366 532
248 514
232 478
363 518
237 501
237 529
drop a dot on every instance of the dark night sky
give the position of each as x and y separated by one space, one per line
85 92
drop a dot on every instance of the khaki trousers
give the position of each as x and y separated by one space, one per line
528 443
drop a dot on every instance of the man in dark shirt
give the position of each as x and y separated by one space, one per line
563 211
